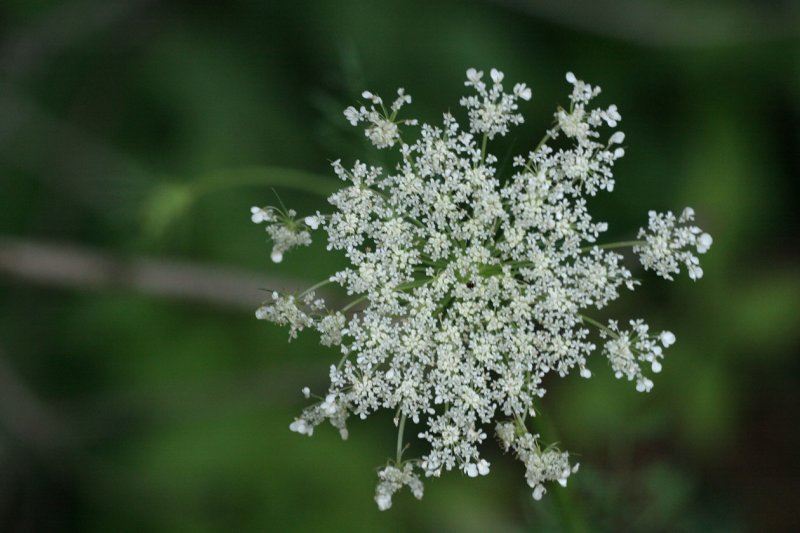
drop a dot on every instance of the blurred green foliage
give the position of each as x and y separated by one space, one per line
147 128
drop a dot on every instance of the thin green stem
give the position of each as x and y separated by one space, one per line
598 325
272 176
571 516
341 362
612 245
400 430
315 287
520 263
353 303
413 284
541 143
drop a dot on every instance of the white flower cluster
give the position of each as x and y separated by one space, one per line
284 311
540 465
382 131
393 479
492 110
469 289
626 349
284 231
668 242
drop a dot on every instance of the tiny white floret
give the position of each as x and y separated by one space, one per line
667 338
704 242
497 76
617 138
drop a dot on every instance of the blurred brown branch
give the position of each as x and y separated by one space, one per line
63 265
663 23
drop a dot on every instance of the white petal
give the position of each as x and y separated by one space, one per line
695 272
667 338
523 91
384 501
704 242
497 76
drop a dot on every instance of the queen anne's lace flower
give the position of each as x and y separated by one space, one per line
382 130
393 479
468 289
282 228
668 243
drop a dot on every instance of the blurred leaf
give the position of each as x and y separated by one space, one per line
766 315
166 204
169 203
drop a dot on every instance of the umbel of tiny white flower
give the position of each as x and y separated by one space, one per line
282 228
469 289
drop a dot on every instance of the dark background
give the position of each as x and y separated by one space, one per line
138 392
